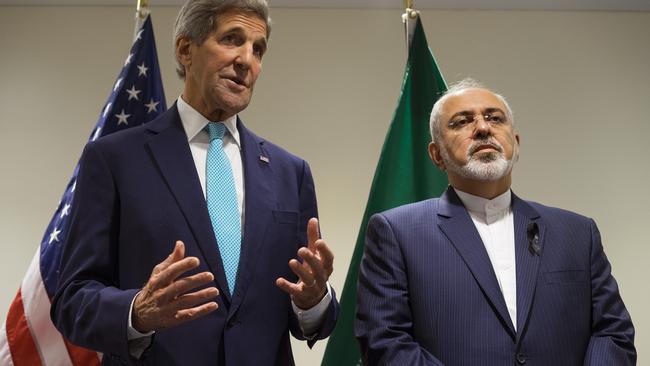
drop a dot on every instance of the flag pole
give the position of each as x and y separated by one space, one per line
408 18
141 13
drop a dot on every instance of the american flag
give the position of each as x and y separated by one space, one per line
28 336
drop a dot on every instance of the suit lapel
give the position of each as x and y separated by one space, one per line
170 151
259 198
459 228
527 261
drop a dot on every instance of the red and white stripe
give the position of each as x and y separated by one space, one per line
28 336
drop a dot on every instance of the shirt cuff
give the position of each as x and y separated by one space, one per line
138 342
310 320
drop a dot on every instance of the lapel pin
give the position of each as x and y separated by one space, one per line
264 159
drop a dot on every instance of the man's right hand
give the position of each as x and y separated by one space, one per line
165 301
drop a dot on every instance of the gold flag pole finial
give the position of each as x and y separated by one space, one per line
141 14
408 18
142 8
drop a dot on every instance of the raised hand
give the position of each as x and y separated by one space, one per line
165 301
313 272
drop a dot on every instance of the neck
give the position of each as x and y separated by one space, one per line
485 189
199 104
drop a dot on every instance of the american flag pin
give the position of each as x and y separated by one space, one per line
264 159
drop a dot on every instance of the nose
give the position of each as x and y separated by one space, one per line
481 126
244 57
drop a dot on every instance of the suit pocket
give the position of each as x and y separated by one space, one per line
569 276
285 217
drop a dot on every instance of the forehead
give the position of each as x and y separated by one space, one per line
246 21
474 100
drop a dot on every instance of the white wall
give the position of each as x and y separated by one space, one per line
579 84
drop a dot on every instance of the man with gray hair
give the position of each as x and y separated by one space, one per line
215 221
480 276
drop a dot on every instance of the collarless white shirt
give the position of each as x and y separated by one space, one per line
495 224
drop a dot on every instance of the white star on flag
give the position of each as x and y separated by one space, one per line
122 118
139 36
152 106
133 93
54 235
66 210
128 59
117 84
142 70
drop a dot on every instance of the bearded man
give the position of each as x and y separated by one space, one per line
480 276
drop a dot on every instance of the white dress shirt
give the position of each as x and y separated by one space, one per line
194 124
494 221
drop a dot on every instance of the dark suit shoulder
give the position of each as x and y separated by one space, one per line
274 150
411 211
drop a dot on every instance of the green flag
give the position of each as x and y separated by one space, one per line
404 174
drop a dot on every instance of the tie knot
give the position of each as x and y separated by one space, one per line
216 130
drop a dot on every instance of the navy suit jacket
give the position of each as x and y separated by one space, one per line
428 294
137 193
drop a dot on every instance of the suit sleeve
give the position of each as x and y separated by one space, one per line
88 308
612 332
384 322
308 209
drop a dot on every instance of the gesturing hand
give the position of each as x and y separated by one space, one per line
165 301
313 272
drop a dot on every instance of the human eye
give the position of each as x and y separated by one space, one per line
259 51
460 122
495 118
229 39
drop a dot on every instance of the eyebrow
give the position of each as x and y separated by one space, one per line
470 113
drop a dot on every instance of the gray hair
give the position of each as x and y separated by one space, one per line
198 18
455 89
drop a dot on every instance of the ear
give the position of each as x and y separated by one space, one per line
436 157
184 51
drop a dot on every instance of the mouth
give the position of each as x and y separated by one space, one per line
237 81
485 148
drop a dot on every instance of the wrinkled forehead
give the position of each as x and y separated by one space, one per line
474 100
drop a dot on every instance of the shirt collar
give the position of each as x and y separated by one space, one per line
194 122
485 206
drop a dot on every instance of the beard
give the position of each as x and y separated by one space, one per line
482 167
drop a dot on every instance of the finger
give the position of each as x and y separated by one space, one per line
326 256
314 264
312 232
177 254
192 299
168 275
288 287
185 284
195 312
302 272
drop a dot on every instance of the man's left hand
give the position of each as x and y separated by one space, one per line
313 272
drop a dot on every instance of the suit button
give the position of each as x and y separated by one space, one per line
232 322
521 358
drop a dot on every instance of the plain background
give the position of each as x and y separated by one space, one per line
579 84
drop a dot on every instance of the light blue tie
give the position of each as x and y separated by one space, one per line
222 203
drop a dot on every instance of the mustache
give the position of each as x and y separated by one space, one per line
477 144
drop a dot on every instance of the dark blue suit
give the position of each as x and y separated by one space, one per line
428 294
137 193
